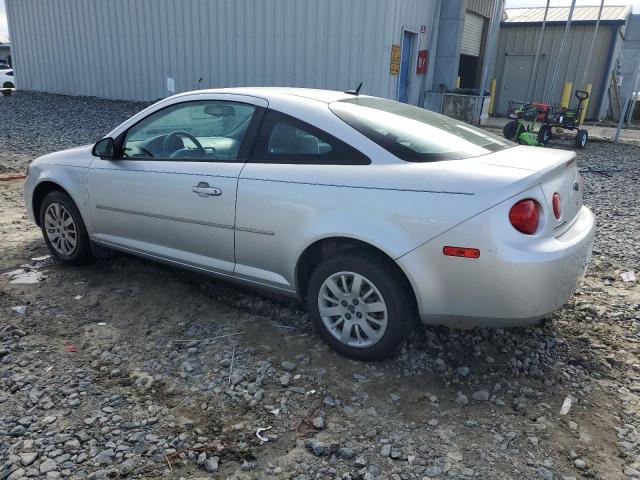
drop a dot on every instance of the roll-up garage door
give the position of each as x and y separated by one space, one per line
472 34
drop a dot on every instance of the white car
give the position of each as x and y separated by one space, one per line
6 79
373 211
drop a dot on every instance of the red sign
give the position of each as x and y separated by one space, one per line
423 55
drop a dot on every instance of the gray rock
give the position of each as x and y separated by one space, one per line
48 466
579 463
318 423
462 371
385 451
360 461
346 453
285 380
288 366
433 471
211 464
16 474
545 473
316 447
330 401
481 395
27 459
17 431
462 399
72 445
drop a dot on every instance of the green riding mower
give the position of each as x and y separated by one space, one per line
524 116
522 128
569 119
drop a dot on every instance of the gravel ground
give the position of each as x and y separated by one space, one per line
128 369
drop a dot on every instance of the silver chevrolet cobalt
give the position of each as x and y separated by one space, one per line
374 212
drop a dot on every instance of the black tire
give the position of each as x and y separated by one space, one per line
393 289
544 134
510 129
582 138
6 89
81 254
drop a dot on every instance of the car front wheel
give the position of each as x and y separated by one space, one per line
359 304
63 229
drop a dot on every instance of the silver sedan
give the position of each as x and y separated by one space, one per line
374 212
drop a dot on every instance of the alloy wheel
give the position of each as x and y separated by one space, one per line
352 309
60 228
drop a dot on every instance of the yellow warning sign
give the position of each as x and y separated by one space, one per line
394 68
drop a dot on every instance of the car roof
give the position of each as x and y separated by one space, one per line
325 96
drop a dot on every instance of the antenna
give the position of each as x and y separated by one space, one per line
356 91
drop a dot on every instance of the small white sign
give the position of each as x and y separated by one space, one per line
171 85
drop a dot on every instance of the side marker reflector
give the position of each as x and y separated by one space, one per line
461 252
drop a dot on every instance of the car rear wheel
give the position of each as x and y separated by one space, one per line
63 229
359 305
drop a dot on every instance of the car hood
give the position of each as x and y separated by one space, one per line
77 157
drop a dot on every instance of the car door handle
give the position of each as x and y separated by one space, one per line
204 190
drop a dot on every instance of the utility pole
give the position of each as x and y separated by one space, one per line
593 42
534 72
562 44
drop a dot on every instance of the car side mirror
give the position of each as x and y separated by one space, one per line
104 149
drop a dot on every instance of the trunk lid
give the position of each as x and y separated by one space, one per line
557 173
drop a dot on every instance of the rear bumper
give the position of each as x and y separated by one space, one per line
511 284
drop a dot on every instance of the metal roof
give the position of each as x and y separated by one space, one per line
610 13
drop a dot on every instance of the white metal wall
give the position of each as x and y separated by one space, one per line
126 49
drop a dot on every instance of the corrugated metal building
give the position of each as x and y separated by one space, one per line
518 39
463 28
146 49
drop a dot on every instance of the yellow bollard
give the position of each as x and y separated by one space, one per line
566 95
458 82
585 104
492 89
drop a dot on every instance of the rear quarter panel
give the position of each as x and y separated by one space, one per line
394 207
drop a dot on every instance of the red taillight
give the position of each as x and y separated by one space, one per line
556 205
461 252
525 216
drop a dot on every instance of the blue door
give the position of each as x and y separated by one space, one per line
405 62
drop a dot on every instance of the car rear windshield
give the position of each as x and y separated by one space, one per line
414 134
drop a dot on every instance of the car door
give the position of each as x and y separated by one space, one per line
171 193
293 175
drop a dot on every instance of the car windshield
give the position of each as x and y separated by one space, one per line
414 134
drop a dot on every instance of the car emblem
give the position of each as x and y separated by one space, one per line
561 224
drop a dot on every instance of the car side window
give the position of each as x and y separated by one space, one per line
284 139
207 130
